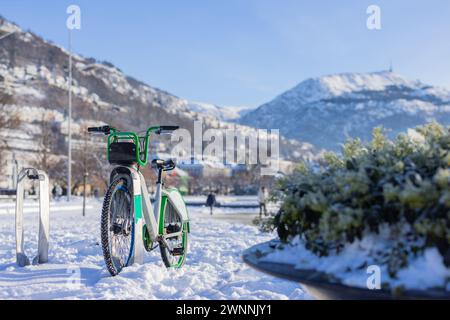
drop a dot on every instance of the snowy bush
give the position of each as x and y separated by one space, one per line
402 184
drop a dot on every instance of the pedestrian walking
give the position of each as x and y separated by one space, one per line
263 195
211 201
54 192
58 191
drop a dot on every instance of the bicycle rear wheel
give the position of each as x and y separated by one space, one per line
174 253
117 226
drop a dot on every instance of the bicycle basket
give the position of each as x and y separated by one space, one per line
122 153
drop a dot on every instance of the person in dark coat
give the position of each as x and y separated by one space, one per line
211 201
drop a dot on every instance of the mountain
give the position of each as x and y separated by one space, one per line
225 113
324 111
35 73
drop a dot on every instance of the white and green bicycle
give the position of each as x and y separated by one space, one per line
129 222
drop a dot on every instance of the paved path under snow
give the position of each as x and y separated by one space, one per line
214 268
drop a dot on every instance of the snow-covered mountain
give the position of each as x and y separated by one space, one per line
35 73
225 113
326 110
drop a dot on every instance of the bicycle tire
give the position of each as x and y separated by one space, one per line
106 226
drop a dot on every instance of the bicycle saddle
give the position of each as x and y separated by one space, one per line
164 165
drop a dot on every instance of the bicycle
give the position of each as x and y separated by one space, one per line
129 223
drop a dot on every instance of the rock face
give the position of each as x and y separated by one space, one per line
325 111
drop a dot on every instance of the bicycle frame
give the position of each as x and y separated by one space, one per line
148 216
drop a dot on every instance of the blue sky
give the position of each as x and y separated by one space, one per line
245 52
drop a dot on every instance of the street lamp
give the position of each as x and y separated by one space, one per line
73 23
69 155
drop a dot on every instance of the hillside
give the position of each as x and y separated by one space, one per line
35 73
324 111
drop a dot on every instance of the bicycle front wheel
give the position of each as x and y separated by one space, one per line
117 226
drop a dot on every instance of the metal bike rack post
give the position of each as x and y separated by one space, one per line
44 209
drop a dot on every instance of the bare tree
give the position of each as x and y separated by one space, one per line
102 168
48 144
8 120
90 161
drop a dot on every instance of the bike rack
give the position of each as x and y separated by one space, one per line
44 209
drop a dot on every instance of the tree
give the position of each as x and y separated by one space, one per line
90 158
50 146
9 119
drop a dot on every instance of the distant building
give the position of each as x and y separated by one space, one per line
206 168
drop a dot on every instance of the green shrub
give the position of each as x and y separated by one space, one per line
405 182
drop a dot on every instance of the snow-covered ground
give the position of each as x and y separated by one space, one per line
214 267
426 271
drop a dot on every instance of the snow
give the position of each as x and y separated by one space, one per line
336 85
223 113
28 91
350 265
431 269
8 27
351 105
214 267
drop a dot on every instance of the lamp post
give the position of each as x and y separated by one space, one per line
69 138
73 22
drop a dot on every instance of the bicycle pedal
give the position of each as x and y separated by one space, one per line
177 251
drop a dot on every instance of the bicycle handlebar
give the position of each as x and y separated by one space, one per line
106 130
142 142
167 129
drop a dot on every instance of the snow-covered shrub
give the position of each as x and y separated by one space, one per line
403 184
